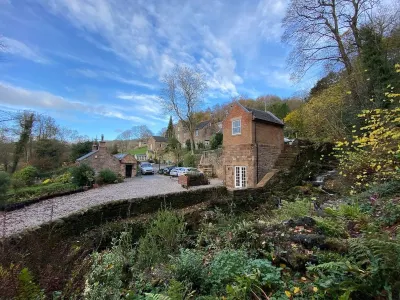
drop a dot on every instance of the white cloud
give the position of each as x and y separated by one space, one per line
14 96
154 35
18 48
143 103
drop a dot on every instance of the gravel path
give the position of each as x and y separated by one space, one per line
36 214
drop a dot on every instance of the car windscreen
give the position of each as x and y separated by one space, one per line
146 165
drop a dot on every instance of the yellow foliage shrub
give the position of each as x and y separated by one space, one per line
373 153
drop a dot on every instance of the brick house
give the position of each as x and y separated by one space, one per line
203 132
253 141
99 159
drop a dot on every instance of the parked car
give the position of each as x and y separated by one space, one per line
168 169
184 171
174 172
146 168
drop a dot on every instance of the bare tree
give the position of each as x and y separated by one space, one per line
324 31
136 132
182 95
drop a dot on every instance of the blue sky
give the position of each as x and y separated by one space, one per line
95 65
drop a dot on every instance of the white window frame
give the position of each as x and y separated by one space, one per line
240 177
197 132
235 127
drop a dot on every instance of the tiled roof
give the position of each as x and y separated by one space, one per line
86 155
160 139
201 125
265 116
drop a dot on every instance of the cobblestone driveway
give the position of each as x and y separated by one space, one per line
36 214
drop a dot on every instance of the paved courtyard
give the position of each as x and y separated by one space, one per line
36 214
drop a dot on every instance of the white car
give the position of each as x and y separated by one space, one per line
146 168
184 171
174 172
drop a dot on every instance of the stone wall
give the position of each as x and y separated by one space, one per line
239 155
94 216
103 160
267 157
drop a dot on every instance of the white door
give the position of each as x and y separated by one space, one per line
240 177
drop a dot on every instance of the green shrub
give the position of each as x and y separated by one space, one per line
334 228
260 278
63 178
188 266
162 238
225 267
109 270
25 176
27 288
390 213
295 209
189 160
4 184
82 175
106 176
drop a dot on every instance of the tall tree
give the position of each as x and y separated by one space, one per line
170 129
25 123
324 31
182 94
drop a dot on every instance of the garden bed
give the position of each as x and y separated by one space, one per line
31 195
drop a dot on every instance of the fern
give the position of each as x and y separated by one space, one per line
329 266
150 296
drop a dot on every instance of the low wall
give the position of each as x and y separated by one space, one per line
83 220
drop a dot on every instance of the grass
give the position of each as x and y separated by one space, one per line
141 150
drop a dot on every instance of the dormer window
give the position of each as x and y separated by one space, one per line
236 127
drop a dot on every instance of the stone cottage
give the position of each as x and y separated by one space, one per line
253 141
99 159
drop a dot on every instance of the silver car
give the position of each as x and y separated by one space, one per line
146 168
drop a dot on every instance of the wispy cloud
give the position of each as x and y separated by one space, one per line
18 48
14 96
151 37
101 74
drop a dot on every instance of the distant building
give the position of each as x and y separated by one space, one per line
156 145
202 135
141 157
99 159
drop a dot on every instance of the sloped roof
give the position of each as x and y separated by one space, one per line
160 139
201 125
86 155
120 156
265 116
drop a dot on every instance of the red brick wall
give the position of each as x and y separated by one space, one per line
269 134
246 136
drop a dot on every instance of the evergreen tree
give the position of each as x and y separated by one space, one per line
170 129
379 71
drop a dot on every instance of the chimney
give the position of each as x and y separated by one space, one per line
94 146
102 144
